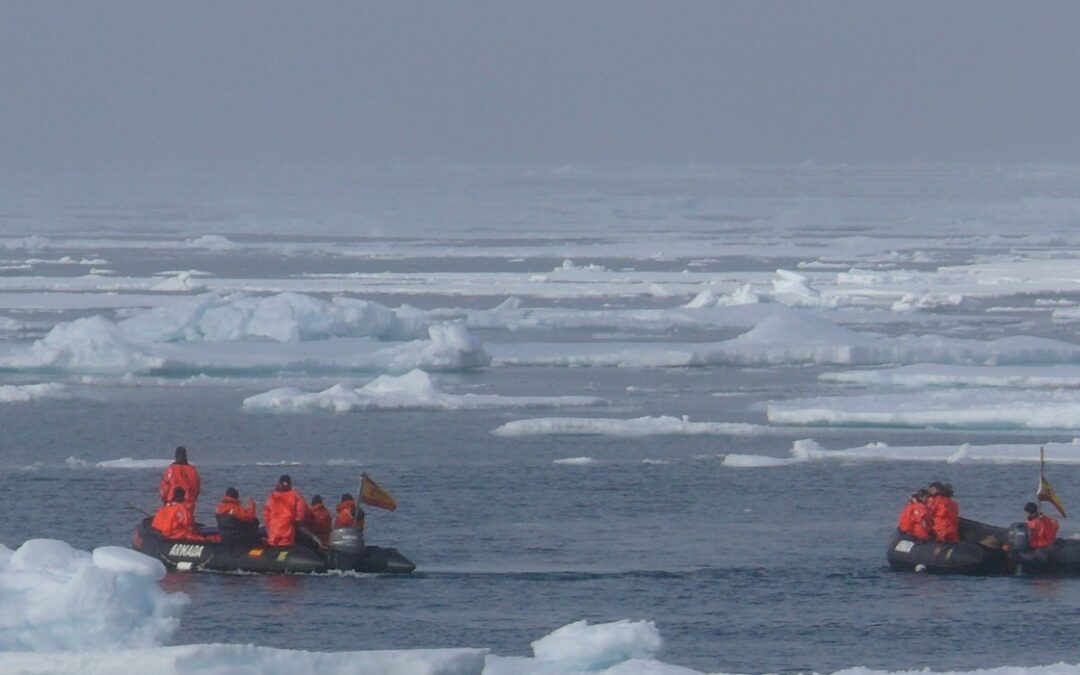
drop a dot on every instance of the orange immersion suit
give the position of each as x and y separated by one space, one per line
285 509
176 520
1042 531
946 516
180 475
319 522
915 520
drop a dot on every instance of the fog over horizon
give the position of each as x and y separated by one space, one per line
245 83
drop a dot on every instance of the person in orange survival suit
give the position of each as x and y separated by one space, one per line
1042 529
235 521
285 509
349 514
319 520
180 474
915 518
945 512
176 520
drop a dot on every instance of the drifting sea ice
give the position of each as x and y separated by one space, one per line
1002 453
640 426
413 390
96 345
966 409
55 597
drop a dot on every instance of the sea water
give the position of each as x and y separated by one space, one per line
753 568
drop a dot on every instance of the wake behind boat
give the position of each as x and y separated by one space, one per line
346 552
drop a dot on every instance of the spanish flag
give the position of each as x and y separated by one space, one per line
1046 491
373 495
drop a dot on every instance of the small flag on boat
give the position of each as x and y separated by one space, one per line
373 495
1046 491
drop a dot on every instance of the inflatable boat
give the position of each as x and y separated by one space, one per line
984 550
346 552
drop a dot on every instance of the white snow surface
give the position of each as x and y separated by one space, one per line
959 408
284 317
413 390
640 426
23 393
923 375
808 450
57 598
138 345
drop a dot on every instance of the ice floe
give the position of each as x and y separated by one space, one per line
640 426
413 390
808 450
968 409
55 597
23 393
927 375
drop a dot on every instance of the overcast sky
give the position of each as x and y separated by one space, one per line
554 81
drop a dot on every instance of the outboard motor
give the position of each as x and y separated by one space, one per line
346 548
1018 544
1018 537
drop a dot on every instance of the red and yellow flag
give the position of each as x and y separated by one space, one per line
373 495
1046 494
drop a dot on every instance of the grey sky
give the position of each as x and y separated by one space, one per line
538 81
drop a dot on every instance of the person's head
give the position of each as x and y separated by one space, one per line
935 488
232 492
1031 509
317 499
346 497
284 481
178 494
181 455
921 495
946 490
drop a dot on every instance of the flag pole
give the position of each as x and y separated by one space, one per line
359 491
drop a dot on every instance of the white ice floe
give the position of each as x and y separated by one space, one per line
414 390
213 242
967 408
284 317
1001 453
791 337
794 289
9 325
93 344
57 598
639 426
937 375
23 393
129 463
575 461
180 281
272 339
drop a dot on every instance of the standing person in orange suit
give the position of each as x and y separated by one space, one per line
180 474
284 511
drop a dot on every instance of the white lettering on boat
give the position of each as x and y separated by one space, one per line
186 550
903 546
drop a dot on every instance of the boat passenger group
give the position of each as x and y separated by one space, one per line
931 514
287 517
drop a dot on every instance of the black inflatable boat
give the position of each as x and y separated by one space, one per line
346 552
984 550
